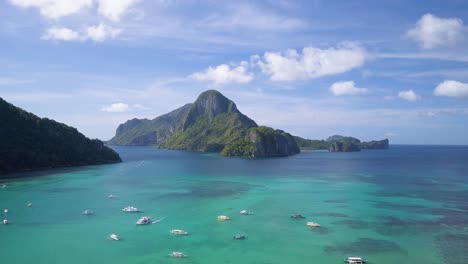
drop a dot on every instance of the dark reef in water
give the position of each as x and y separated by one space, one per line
364 246
453 248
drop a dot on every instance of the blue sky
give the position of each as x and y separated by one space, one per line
370 69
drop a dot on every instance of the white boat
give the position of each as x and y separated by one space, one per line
313 224
114 237
178 232
5 222
5 211
223 218
176 254
29 204
239 236
110 196
145 220
246 212
131 209
88 212
354 260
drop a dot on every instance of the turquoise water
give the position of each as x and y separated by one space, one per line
407 204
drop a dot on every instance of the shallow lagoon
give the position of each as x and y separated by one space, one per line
407 204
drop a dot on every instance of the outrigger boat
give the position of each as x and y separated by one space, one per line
239 236
114 237
176 254
145 220
131 209
88 212
354 260
313 224
246 212
178 232
223 218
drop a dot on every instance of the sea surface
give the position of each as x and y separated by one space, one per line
408 204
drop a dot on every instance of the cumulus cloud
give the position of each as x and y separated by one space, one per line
54 8
102 32
115 108
431 31
224 74
114 9
96 33
312 62
61 33
346 88
122 107
409 95
452 89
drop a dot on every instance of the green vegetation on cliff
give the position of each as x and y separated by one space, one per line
263 142
211 124
29 143
337 143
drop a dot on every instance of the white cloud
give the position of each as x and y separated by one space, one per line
409 95
250 17
61 33
96 33
452 89
312 63
54 8
224 74
114 9
346 88
116 108
431 31
102 32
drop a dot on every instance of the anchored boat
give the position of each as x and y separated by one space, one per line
297 216
246 212
88 212
354 260
178 232
313 224
114 237
131 209
145 220
223 218
176 254
239 236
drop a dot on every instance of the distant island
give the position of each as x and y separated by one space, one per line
32 143
337 143
211 124
214 124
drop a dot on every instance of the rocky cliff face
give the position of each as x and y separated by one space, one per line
343 147
144 132
269 142
375 144
213 124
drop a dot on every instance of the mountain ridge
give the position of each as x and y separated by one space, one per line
212 123
33 143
